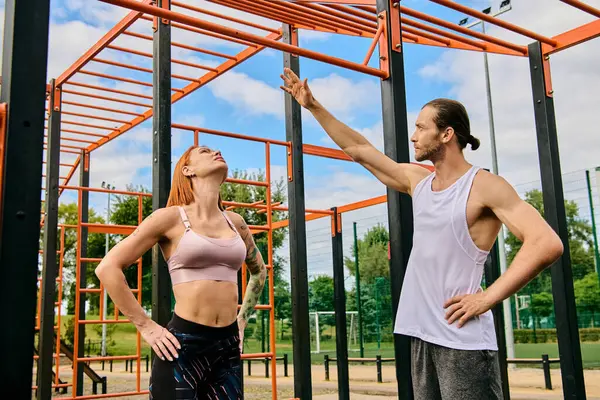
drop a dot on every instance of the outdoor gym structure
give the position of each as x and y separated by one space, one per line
25 90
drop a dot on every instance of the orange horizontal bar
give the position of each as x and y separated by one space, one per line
369 16
85 85
110 395
455 27
105 358
95 96
119 78
74 140
198 23
65 151
362 204
204 32
345 15
183 46
90 260
108 128
106 321
583 7
345 2
113 229
149 55
498 22
72 103
94 117
92 290
228 134
314 150
66 146
100 190
257 227
257 355
442 32
225 17
246 182
427 35
82 133
325 16
235 204
118 64
270 13
574 37
299 14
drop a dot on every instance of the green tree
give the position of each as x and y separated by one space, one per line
372 256
125 211
580 244
283 305
68 215
321 298
542 305
587 295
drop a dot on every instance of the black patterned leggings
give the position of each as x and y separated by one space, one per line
208 366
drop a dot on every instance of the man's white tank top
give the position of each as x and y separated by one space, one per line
444 262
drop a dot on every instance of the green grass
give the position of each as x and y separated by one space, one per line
124 338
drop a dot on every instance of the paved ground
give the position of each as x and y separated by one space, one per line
525 383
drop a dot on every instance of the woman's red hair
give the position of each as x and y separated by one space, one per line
181 193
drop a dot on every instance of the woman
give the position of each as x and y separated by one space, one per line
198 353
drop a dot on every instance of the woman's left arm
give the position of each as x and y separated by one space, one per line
257 268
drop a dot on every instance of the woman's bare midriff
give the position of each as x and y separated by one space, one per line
211 303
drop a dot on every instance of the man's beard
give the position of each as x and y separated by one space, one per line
433 153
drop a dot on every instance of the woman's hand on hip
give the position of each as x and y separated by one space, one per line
161 340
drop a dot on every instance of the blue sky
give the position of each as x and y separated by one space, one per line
247 100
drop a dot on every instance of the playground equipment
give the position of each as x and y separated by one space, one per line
385 22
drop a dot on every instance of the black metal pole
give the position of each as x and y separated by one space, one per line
339 302
492 272
84 181
400 221
569 346
361 343
298 262
24 60
240 300
161 160
50 264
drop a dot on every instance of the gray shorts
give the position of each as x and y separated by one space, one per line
441 373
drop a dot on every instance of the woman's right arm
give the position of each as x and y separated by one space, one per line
110 273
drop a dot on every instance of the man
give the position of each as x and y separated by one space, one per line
458 211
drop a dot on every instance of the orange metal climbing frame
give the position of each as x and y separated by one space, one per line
86 129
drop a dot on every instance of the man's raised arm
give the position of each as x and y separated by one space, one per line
399 176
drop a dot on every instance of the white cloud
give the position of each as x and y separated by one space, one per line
343 96
248 95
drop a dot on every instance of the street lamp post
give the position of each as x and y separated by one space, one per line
505 6
106 248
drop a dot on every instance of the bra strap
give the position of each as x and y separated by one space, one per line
231 225
184 218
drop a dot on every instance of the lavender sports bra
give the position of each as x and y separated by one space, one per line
199 257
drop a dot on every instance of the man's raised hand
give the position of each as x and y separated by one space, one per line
297 88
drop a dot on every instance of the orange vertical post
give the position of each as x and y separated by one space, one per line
77 292
270 270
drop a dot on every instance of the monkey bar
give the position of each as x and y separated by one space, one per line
106 93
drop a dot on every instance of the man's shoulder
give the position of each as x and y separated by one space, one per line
491 188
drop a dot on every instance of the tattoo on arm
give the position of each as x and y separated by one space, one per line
258 276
